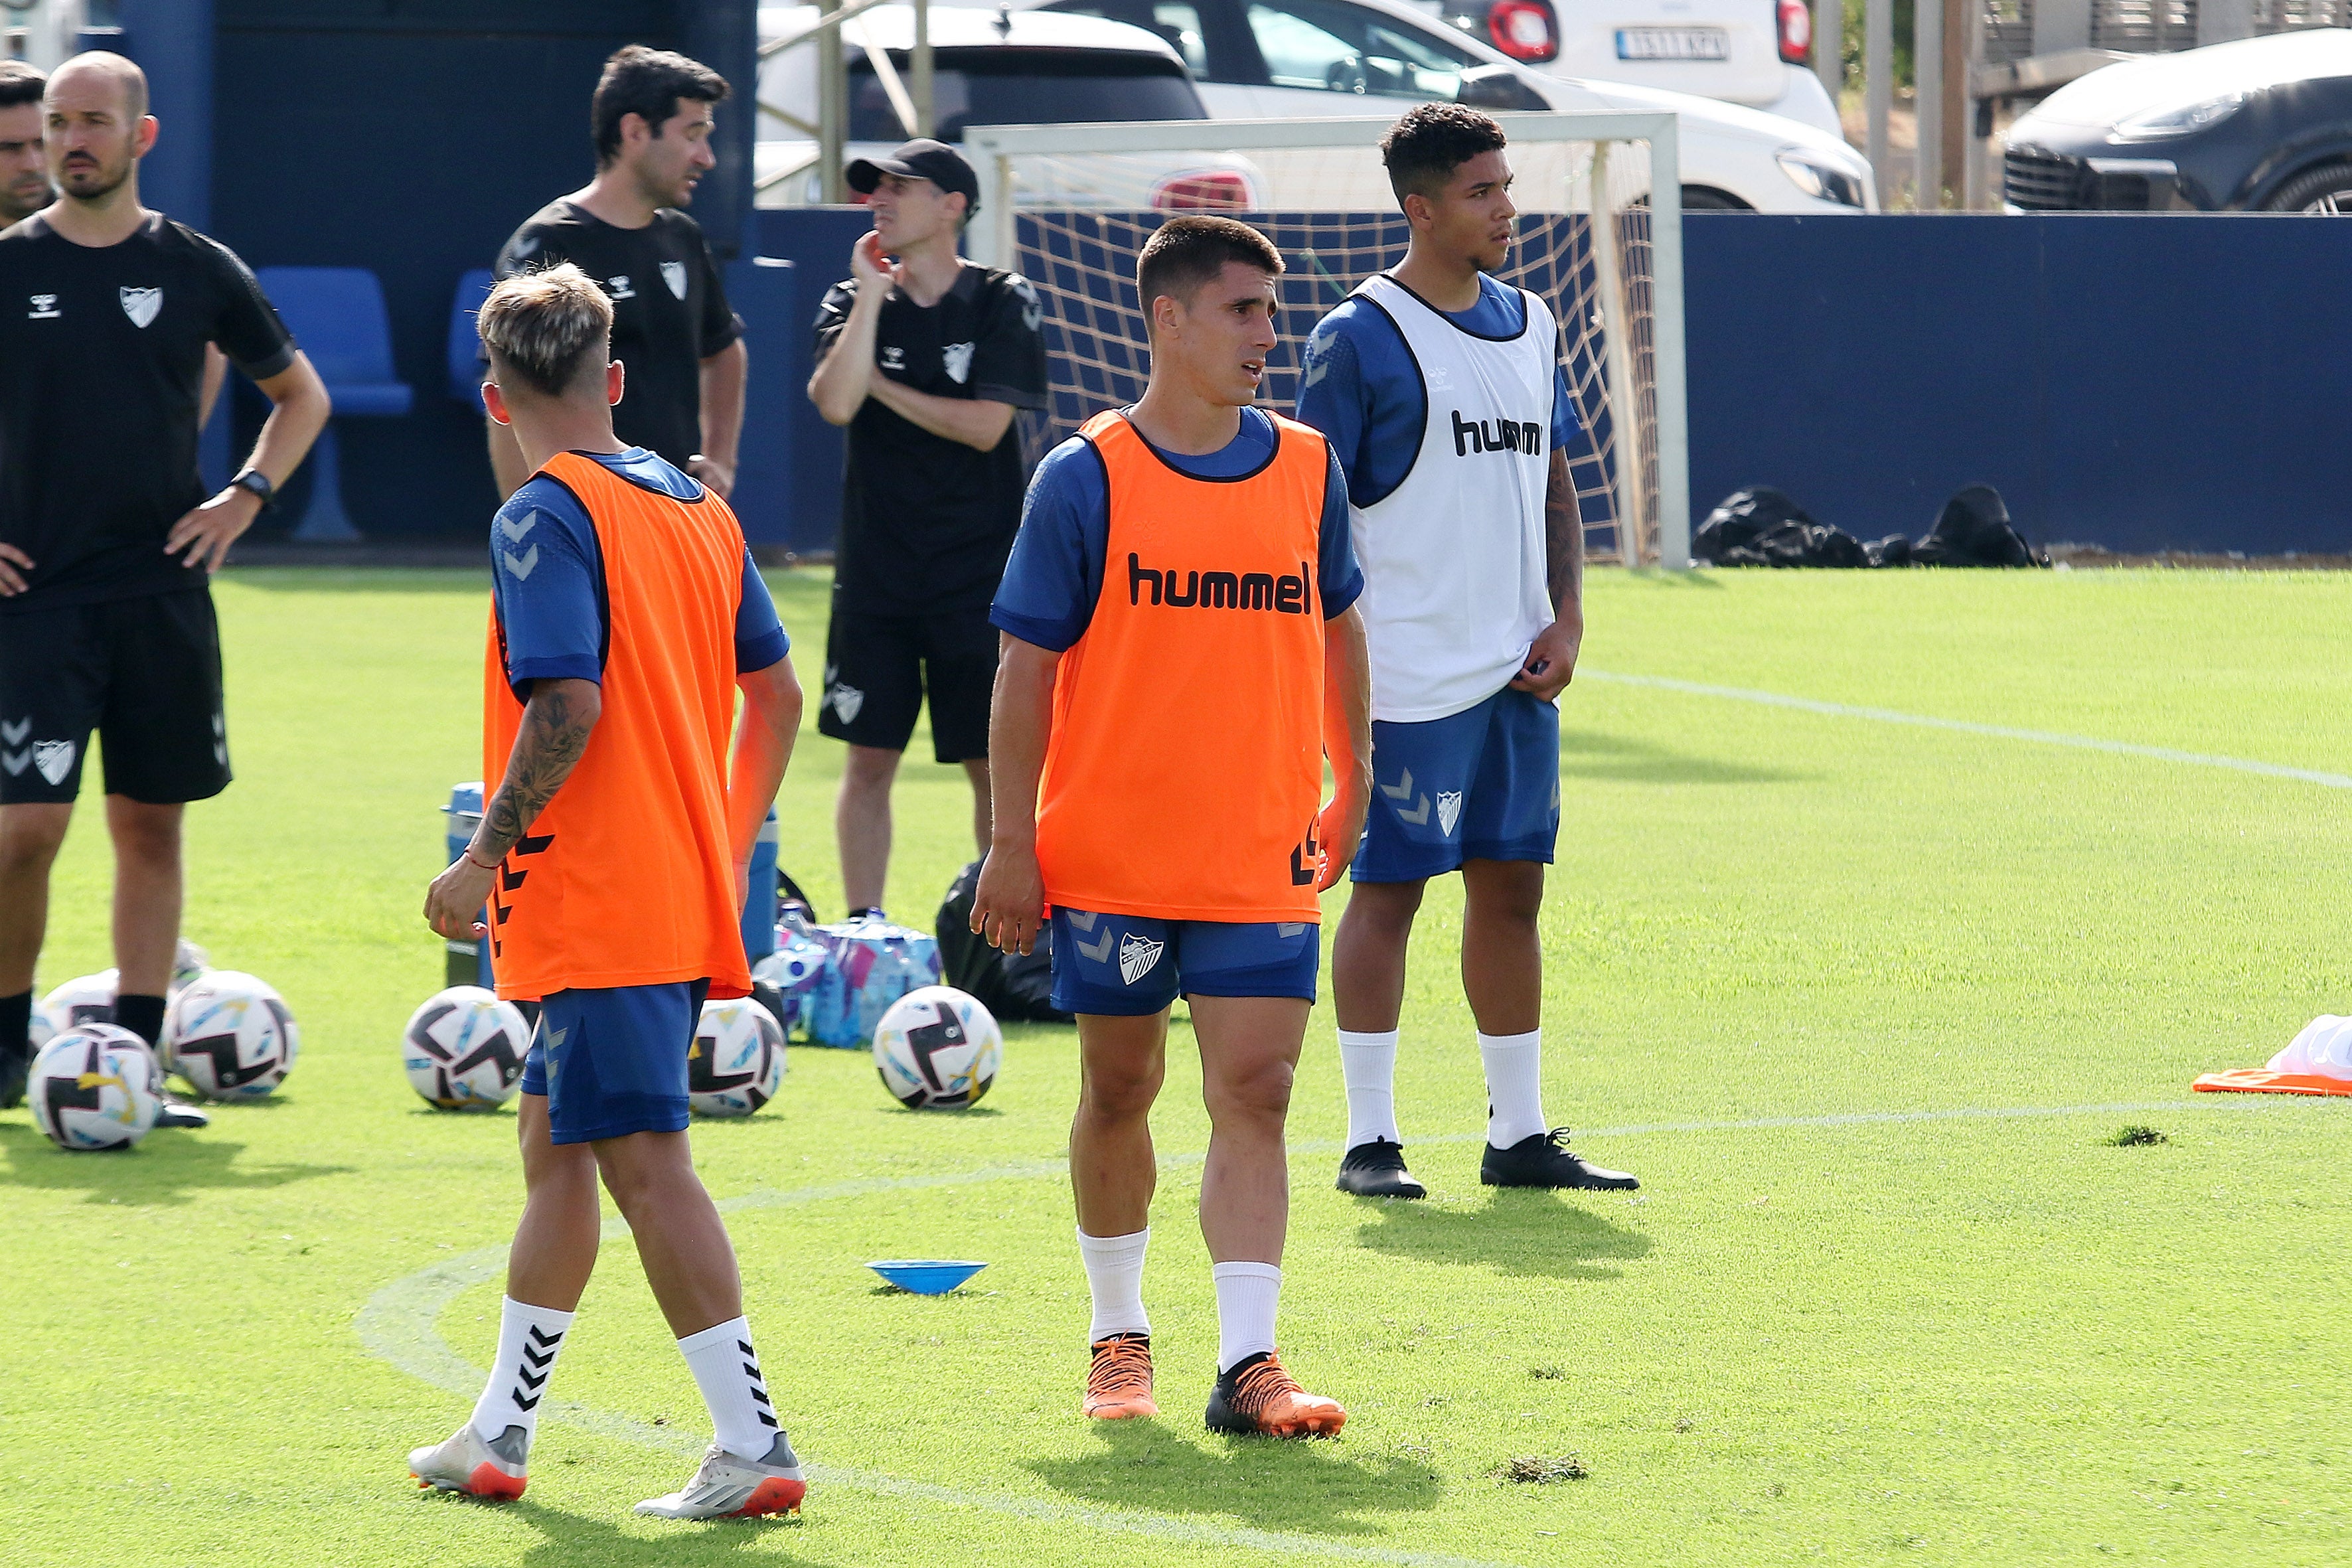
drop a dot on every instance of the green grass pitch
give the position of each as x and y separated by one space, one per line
1863 1003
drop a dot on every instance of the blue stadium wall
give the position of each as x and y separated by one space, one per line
2140 382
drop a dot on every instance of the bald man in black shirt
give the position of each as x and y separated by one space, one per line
107 539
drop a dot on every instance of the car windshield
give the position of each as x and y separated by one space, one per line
1025 86
1339 48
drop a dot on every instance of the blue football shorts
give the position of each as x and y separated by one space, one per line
1127 966
1480 784
613 1062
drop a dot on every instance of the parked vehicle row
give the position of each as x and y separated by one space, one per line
1075 61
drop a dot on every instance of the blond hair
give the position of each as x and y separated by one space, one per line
543 326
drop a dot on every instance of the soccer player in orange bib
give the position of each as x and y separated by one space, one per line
1181 654
626 614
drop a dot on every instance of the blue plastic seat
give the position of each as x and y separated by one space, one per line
338 315
464 342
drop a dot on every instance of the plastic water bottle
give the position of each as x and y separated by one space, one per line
470 960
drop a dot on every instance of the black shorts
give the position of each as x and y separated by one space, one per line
876 670
145 673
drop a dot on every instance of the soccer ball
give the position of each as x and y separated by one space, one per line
95 1088
936 1045
464 1049
89 1000
232 1037
737 1061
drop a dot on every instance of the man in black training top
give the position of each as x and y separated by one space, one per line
925 361
651 118
106 540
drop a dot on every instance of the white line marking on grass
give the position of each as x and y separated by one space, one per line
399 1325
1963 726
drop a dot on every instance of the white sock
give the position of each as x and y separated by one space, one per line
1247 1294
529 1339
1367 1065
724 1368
1115 1279
1514 1086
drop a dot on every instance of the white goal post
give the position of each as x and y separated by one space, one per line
1069 205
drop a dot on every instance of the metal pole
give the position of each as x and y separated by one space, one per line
1829 46
1673 515
926 109
832 109
1877 85
1927 95
1629 496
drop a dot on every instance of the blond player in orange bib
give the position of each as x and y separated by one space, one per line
626 617
1181 654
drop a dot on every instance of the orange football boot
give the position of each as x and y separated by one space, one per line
1118 1384
1259 1397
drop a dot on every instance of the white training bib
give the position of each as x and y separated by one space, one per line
1453 558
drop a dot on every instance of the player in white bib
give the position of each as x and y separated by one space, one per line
1440 390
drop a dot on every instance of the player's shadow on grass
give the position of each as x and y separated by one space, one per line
168 1169
1311 1486
1541 1234
569 1539
1614 759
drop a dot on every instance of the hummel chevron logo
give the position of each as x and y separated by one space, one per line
1136 956
531 1403
1403 791
515 530
1082 918
529 1381
1099 949
1288 929
14 734
1449 810
555 1037
523 565
546 1338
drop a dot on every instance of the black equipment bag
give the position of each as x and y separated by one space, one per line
1017 987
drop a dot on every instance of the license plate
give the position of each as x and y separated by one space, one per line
1673 44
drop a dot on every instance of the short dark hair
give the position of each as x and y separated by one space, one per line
1186 252
645 82
1431 141
20 83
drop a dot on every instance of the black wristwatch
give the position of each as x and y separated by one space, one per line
257 481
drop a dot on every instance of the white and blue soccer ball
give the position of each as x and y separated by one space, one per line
737 1061
232 1035
937 1047
94 1086
87 999
464 1049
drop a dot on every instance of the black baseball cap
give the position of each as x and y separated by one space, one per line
922 159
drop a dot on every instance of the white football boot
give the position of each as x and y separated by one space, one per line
729 1486
466 1464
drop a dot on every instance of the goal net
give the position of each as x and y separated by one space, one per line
1069 207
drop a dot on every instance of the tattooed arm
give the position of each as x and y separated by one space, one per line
556 724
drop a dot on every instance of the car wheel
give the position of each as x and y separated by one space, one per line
1707 199
2324 192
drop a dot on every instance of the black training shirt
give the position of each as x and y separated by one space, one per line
101 367
927 523
669 312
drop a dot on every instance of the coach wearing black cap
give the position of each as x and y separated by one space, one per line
925 361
